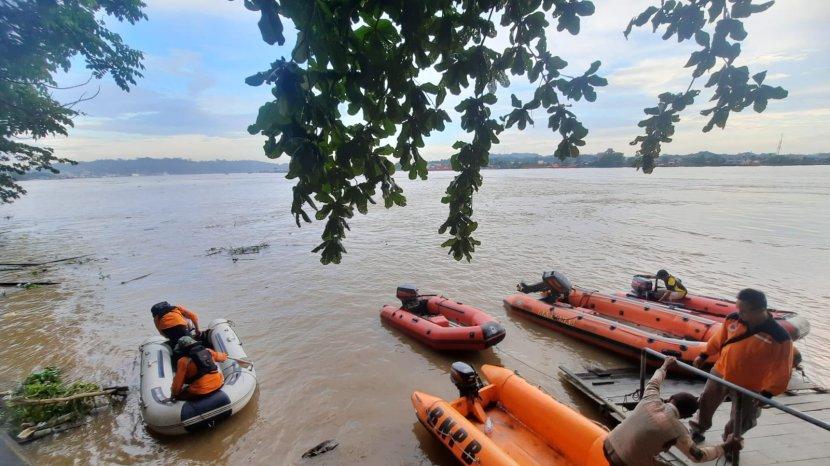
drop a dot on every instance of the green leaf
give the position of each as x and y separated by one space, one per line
515 101
759 77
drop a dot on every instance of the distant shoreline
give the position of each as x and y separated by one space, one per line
117 168
143 175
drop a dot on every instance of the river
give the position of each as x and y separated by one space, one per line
327 366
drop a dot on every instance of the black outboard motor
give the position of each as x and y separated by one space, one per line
410 299
642 286
556 283
465 379
408 294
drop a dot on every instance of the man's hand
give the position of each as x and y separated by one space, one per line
669 362
699 362
733 443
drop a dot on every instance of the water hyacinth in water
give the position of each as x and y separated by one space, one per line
47 384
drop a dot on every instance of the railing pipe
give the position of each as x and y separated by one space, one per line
755 396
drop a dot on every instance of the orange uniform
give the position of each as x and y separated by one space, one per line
175 318
207 383
762 362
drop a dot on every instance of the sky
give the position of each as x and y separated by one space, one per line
192 101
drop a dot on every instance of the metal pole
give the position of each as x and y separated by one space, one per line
643 359
742 390
737 425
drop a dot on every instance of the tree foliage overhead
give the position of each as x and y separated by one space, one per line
366 58
39 38
366 82
716 27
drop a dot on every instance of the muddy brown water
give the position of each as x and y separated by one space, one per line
328 368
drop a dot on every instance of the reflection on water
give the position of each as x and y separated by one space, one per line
328 368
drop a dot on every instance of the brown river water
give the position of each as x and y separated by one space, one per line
327 367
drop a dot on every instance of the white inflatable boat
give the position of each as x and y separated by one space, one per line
181 417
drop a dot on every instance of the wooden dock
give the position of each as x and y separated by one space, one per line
779 438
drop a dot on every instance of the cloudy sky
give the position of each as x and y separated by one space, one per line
193 103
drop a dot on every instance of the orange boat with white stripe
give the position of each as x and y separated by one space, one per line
509 423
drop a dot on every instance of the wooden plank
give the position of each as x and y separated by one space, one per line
779 438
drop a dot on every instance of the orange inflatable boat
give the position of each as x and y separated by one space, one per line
619 324
623 337
508 423
644 289
442 323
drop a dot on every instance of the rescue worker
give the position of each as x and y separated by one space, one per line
675 291
654 426
197 370
752 351
173 322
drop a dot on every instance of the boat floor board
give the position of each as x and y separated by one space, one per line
779 438
519 442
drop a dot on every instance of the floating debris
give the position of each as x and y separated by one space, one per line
238 251
36 264
248 249
136 278
44 404
26 285
321 448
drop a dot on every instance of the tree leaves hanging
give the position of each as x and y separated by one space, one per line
366 58
732 89
40 38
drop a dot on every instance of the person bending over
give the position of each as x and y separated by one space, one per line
654 426
174 322
675 291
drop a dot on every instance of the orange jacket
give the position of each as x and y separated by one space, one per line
762 362
186 370
176 317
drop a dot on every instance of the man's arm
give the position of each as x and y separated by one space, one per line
713 346
218 356
178 380
780 373
652 388
190 315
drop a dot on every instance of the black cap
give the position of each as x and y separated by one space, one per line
160 308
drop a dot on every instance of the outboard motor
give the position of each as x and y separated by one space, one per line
641 286
555 283
465 379
408 294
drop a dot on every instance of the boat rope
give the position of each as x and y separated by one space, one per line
545 374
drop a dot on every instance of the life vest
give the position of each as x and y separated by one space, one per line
203 360
674 284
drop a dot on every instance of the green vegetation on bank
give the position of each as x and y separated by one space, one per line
610 158
151 166
40 40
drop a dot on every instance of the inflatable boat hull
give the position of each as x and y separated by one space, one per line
181 417
529 427
593 327
718 308
446 325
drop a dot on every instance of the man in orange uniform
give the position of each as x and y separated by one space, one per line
173 322
197 368
753 351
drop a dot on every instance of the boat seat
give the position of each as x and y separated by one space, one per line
439 320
